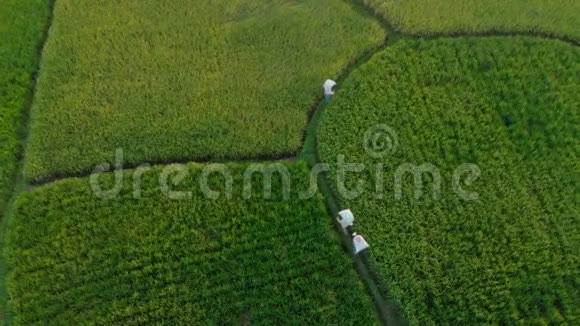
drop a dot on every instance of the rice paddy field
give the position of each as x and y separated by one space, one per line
22 24
428 17
76 259
508 106
185 80
462 118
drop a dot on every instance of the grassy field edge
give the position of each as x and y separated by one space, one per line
408 30
21 101
19 184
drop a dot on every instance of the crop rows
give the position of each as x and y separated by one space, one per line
74 258
427 17
185 80
22 25
508 105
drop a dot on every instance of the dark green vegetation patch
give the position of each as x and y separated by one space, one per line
185 79
21 29
505 104
553 17
76 259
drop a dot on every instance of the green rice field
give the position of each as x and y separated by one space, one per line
506 105
185 80
74 258
427 17
22 24
178 162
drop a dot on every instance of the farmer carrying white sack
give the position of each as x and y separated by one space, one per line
328 86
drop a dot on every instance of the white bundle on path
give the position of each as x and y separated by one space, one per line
328 86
